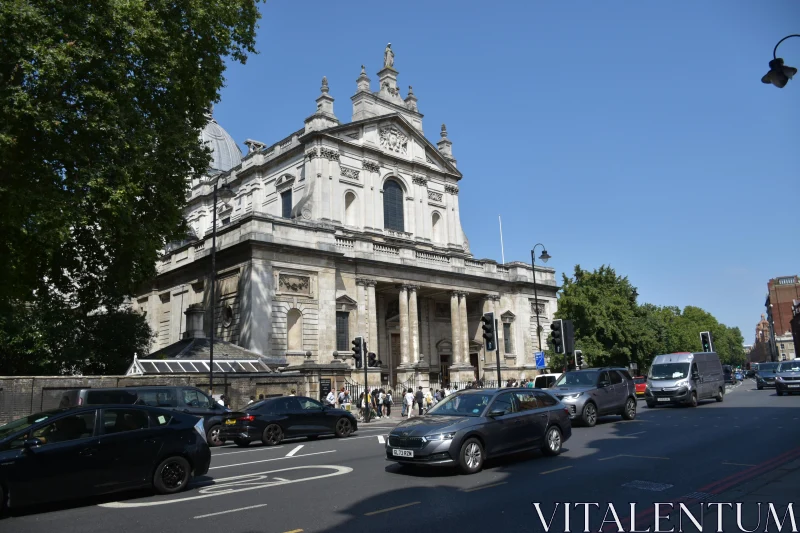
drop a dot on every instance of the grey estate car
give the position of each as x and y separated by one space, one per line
597 392
473 425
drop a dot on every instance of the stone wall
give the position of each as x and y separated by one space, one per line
21 396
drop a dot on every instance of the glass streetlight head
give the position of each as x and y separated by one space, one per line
224 192
544 257
779 74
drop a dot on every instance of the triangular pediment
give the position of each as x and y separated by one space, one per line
345 299
508 315
392 131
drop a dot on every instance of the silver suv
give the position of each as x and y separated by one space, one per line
597 392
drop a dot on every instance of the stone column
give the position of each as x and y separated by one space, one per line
413 322
455 328
363 309
404 334
462 308
372 319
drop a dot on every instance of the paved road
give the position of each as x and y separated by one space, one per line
335 485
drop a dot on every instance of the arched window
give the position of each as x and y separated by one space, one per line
436 227
294 331
350 209
393 206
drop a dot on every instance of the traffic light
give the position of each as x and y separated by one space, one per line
569 336
557 333
706 341
578 358
358 350
372 360
489 333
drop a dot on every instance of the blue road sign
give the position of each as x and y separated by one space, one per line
539 360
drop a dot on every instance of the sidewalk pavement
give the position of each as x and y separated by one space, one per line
779 486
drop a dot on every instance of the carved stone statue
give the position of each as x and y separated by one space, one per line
388 57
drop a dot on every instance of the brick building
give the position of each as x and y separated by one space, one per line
781 294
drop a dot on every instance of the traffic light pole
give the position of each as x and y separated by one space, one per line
497 355
367 406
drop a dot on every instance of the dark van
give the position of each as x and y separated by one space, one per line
189 400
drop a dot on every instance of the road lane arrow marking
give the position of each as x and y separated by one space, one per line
229 486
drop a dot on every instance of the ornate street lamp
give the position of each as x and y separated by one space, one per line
779 74
224 192
544 258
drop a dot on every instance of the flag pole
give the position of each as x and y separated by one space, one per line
502 248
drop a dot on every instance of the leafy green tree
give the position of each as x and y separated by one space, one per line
101 106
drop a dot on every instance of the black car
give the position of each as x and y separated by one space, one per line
787 378
274 419
184 399
85 451
765 376
470 426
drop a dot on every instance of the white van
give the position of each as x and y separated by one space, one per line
684 378
545 381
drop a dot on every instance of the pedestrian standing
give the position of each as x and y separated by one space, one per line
331 398
409 400
252 400
387 403
221 400
419 398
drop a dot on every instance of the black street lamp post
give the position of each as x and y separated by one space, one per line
225 192
779 74
544 257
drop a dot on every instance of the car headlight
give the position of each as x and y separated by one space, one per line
438 437
682 383
778 378
573 396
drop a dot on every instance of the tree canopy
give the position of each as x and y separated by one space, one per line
101 107
611 327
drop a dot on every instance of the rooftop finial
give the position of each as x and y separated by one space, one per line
444 131
410 91
324 84
388 57
363 69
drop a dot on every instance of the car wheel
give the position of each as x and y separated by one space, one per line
779 392
760 387
720 395
343 428
552 441
589 415
212 437
693 400
650 405
273 435
630 410
470 459
241 443
172 475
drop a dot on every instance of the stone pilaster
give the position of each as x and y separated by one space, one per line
363 309
413 323
404 333
462 309
455 329
372 318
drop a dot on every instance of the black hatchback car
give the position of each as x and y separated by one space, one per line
86 451
274 419
473 425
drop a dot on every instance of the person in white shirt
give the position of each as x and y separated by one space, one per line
331 399
221 400
409 400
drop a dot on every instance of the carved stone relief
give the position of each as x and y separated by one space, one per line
370 166
294 283
327 153
451 189
312 154
435 196
393 139
349 173
419 180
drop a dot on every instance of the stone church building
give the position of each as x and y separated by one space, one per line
343 229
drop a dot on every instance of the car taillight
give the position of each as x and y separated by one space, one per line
80 401
566 410
247 418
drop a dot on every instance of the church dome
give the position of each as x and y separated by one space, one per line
225 153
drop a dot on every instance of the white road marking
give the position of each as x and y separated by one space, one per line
268 460
232 510
381 439
261 449
279 479
637 433
337 471
294 451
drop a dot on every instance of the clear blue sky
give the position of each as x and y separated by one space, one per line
635 134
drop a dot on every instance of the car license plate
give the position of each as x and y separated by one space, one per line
794 386
403 453
663 399
230 422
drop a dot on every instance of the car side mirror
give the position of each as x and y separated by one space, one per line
497 412
32 443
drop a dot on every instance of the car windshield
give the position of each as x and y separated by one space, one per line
22 423
577 378
639 380
470 404
669 371
767 367
794 366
